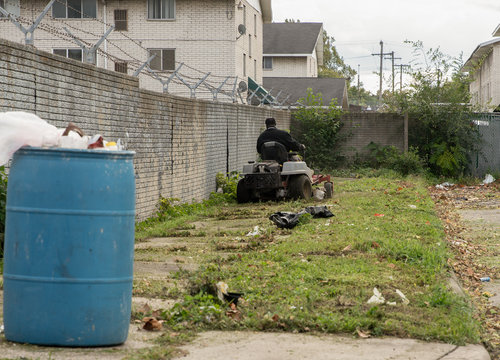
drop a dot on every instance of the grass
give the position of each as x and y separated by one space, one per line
319 276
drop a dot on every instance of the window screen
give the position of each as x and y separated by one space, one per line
164 60
267 62
121 67
74 9
75 54
121 20
161 9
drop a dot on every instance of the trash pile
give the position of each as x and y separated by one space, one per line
288 220
18 129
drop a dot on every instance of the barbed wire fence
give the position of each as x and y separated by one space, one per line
196 83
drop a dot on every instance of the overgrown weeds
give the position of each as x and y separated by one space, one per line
319 276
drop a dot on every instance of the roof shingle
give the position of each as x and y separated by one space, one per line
291 38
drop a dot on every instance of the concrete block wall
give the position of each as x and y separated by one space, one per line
180 143
384 129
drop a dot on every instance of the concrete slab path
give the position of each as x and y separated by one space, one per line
282 346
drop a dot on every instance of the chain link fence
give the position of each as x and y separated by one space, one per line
487 159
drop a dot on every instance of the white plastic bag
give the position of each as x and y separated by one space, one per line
19 128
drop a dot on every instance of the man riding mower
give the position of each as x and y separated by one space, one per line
280 174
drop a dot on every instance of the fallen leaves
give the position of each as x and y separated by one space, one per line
465 263
152 324
363 334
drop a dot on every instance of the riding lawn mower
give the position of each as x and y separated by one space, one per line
279 176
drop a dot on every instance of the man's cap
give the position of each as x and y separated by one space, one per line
270 122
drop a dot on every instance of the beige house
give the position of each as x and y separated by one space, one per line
292 54
292 49
223 37
485 63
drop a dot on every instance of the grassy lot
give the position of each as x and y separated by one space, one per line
318 276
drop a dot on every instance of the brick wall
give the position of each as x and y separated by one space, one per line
180 143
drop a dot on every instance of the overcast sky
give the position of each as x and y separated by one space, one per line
358 26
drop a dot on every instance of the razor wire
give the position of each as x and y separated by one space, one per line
192 78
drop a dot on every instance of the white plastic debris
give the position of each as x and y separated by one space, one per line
19 128
488 179
256 231
318 194
73 141
377 297
444 186
404 299
412 206
221 290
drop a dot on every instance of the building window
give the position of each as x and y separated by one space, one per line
121 20
255 24
121 67
164 60
255 69
161 9
245 15
74 9
75 54
244 65
249 45
267 63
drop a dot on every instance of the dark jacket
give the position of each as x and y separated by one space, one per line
281 136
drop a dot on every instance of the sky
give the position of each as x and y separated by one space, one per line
358 26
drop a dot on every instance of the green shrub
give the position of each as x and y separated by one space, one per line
389 157
318 127
228 183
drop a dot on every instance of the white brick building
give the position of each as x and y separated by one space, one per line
205 35
485 62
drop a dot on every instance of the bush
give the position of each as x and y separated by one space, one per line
228 183
390 157
318 128
437 102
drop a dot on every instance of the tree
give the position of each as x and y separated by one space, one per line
437 103
361 96
317 126
333 64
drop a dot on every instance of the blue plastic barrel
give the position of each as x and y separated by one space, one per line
69 247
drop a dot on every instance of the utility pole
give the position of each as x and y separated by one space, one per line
381 69
393 58
401 69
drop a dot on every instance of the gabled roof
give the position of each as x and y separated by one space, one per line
481 50
297 87
292 38
496 32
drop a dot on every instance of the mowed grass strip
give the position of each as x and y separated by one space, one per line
319 276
